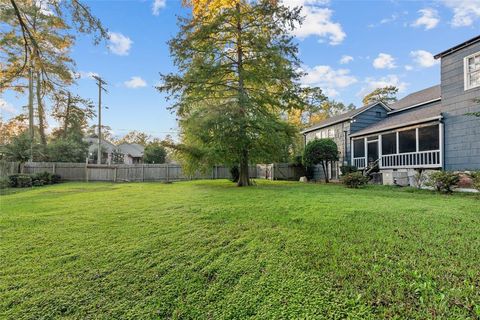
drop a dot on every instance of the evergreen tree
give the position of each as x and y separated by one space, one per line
238 73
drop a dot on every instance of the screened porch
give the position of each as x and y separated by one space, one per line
414 147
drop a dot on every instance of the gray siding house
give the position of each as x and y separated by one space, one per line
429 129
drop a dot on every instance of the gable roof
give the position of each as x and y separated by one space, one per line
458 47
404 119
344 116
135 150
417 99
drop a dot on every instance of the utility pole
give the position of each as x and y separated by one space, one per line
100 83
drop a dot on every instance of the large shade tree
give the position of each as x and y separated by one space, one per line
237 78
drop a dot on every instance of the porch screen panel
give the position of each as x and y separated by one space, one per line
358 148
389 143
406 141
428 138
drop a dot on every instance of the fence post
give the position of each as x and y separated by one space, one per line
53 168
273 171
143 172
115 175
167 177
86 172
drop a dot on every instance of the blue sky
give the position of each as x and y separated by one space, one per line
348 48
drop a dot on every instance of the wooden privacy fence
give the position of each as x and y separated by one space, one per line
149 172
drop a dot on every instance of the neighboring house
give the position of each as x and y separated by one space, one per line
107 149
132 153
428 129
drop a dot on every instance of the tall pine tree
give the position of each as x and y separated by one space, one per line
238 76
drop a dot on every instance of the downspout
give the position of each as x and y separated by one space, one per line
442 156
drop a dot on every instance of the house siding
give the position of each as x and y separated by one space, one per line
339 138
462 132
367 118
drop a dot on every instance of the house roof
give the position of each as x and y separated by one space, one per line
344 116
417 98
93 143
458 47
135 150
404 119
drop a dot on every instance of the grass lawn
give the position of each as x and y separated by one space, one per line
209 250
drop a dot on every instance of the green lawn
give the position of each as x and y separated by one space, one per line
209 250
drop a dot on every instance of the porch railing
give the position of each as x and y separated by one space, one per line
422 159
359 162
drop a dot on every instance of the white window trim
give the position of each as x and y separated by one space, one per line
466 74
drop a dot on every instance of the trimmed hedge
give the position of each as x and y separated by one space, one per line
354 180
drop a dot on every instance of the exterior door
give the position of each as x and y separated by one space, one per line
372 151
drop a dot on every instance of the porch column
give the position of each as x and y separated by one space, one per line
380 163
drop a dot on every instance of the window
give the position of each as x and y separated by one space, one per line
331 133
428 138
358 148
389 143
378 114
372 138
407 141
472 71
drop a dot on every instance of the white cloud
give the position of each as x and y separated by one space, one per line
428 18
384 61
408 67
346 59
465 12
7 107
371 84
318 21
135 82
423 58
157 6
86 75
119 43
330 80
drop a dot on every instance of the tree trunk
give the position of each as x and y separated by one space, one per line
67 116
325 173
40 111
243 179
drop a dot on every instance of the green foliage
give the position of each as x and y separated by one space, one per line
67 150
234 172
236 79
354 179
443 181
20 149
346 169
475 175
4 183
20 180
46 177
386 95
154 153
320 151
209 250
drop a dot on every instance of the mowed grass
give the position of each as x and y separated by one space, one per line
210 250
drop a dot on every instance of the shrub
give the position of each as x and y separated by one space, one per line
322 152
45 176
235 173
55 178
4 183
354 179
475 175
346 169
443 181
38 183
19 180
309 172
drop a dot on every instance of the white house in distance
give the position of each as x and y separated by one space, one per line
132 153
